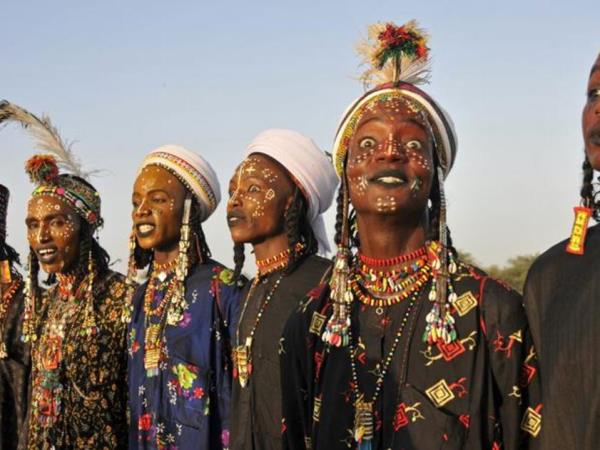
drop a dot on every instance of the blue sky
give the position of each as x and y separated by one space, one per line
120 78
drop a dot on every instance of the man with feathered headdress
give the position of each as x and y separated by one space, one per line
406 347
14 354
77 389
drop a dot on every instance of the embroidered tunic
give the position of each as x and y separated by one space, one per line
562 298
14 372
78 394
479 392
256 408
185 403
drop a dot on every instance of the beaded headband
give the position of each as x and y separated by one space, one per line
439 122
85 200
189 175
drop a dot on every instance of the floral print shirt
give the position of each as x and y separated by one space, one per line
479 392
185 403
78 394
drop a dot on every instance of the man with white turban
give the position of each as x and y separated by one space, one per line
277 197
180 319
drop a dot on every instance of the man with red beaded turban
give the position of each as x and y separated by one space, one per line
14 354
77 389
406 347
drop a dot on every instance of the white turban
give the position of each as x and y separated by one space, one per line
192 170
310 169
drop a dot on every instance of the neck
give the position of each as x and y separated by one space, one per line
166 256
270 247
387 236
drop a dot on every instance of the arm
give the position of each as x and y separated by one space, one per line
297 378
514 367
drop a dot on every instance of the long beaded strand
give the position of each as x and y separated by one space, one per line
363 410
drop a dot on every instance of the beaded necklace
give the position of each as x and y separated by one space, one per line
242 354
279 261
381 288
363 409
62 318
5 304
161 281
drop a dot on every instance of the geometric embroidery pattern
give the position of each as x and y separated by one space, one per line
465 303
532 422
317 322
440 393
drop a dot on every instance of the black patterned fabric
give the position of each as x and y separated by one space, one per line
479 392
562 299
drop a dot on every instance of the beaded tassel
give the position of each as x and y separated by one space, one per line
440 322
175 313
89 323
28 315
130 281
336 331
338 326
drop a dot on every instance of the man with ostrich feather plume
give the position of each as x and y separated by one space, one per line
77 390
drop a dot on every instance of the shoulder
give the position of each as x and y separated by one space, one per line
311 271
113 283
497 300
312 313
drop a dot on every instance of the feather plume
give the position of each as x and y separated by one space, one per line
394 54
45 135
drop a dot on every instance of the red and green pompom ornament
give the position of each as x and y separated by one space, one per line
42 169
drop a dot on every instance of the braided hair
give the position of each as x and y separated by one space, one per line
590 197
297 229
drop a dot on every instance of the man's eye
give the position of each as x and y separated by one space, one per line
159 200
57 222
367 143
254 188
414 145
593 94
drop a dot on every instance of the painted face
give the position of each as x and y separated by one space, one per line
53 232
390 163
157 202
259 193
591 117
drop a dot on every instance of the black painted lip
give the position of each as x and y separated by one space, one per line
235 218
46 258
396 173
139 233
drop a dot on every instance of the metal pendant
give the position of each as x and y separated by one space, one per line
152 350
363 423
243 367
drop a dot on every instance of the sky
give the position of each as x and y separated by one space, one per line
121 78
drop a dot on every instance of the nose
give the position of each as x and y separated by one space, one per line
142 209
234 199
43 235
391 150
